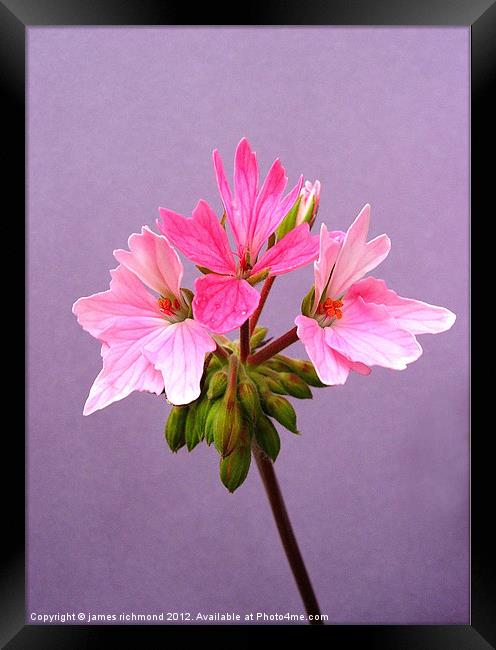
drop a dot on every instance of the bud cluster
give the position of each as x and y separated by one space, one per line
237 407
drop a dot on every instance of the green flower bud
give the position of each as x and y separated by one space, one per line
202 410
280 409
303 369
294 385
248 398
276 364
190 429
234 468
266 382
175 427
267 437
258 336
227 426
213 408
217 384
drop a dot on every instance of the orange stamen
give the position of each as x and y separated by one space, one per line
165 306
331 308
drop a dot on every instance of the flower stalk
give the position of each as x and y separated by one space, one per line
288 539
274 347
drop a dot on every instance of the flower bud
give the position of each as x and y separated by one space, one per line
217 384
294 385
209 427
234 468
202 410
267 382
227 426
274 363
309 203
257 338
248 398
280 409
190 429
267 437
304 369
175 427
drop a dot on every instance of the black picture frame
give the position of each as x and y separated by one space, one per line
478 15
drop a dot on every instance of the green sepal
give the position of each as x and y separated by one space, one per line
307 303
267 437
272 380
210 420
234 468
289 221
175 427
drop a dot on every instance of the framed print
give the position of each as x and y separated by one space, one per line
241 285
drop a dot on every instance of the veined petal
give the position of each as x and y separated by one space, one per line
367 333
223 303
126 298
294 250
236 224
245 191
413 315
329 249
201 238
357 256
153 260
125 370
331 367
179 354
265 216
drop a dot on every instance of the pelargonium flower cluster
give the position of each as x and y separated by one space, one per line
158 336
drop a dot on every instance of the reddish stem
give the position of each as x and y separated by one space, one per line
266 287
244 341
274 347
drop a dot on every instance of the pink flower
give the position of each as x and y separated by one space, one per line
224 298
148 342
356 323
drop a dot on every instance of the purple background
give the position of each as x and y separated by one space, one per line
124 120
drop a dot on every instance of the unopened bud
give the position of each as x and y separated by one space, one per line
264 382
234 468
257 338
309 203
295 385
227 426
213 409
202 410
273 380
190 429
175 427
304 369
248 398
279 408
276 364
267 437
217 384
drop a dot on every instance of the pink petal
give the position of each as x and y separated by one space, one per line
179 354
236 223
223 303
201 238
265 216
357 256
332 368
154 261
294 250
125 370
245 190
329 249
368 334
126 298
413 315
